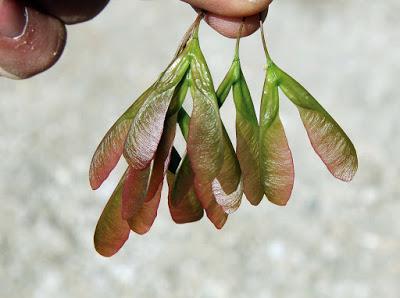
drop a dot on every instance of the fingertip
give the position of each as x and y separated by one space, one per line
37 49
231 8
230 27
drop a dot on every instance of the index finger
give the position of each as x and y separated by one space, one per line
72 11
231 8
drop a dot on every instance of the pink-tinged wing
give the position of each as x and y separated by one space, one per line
134 191
147 127
183 183
146 130
230 202
247 150
247 142
111 147
276 162
205 141
111 230
215 213
143 219
188 209
182 201
186 204
227 187
162 157
331 144
328 139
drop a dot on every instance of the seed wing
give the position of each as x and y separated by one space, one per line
162 157
276 162
205 141
247 139
143 219
227 187
328 139
215 213
146 130
111 147
134 191
147 127
111 230
188 209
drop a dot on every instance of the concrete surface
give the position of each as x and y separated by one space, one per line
333 240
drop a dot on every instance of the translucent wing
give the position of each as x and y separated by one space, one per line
227 187
188 210
247 138
183 183
111 230
184 207
134 191
327 138
146 130
143 218
147 126
162 157
184 193
277 170
111 147
215 213
205 140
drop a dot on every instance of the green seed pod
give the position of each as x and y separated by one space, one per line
230 78
205 140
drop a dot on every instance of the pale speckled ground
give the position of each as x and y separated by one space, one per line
333 240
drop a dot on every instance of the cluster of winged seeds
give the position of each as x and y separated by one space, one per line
212 176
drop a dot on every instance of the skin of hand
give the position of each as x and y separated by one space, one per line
33 33
226 16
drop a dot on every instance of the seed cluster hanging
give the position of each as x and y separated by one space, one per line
212 176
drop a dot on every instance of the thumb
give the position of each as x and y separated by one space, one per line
30 42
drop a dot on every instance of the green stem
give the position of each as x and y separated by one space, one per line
192 32
264 42
196 25
238 39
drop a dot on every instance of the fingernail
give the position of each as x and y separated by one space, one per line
12 18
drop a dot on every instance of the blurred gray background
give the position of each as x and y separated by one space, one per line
332 240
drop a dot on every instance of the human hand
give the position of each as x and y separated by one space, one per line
225 16
32 33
